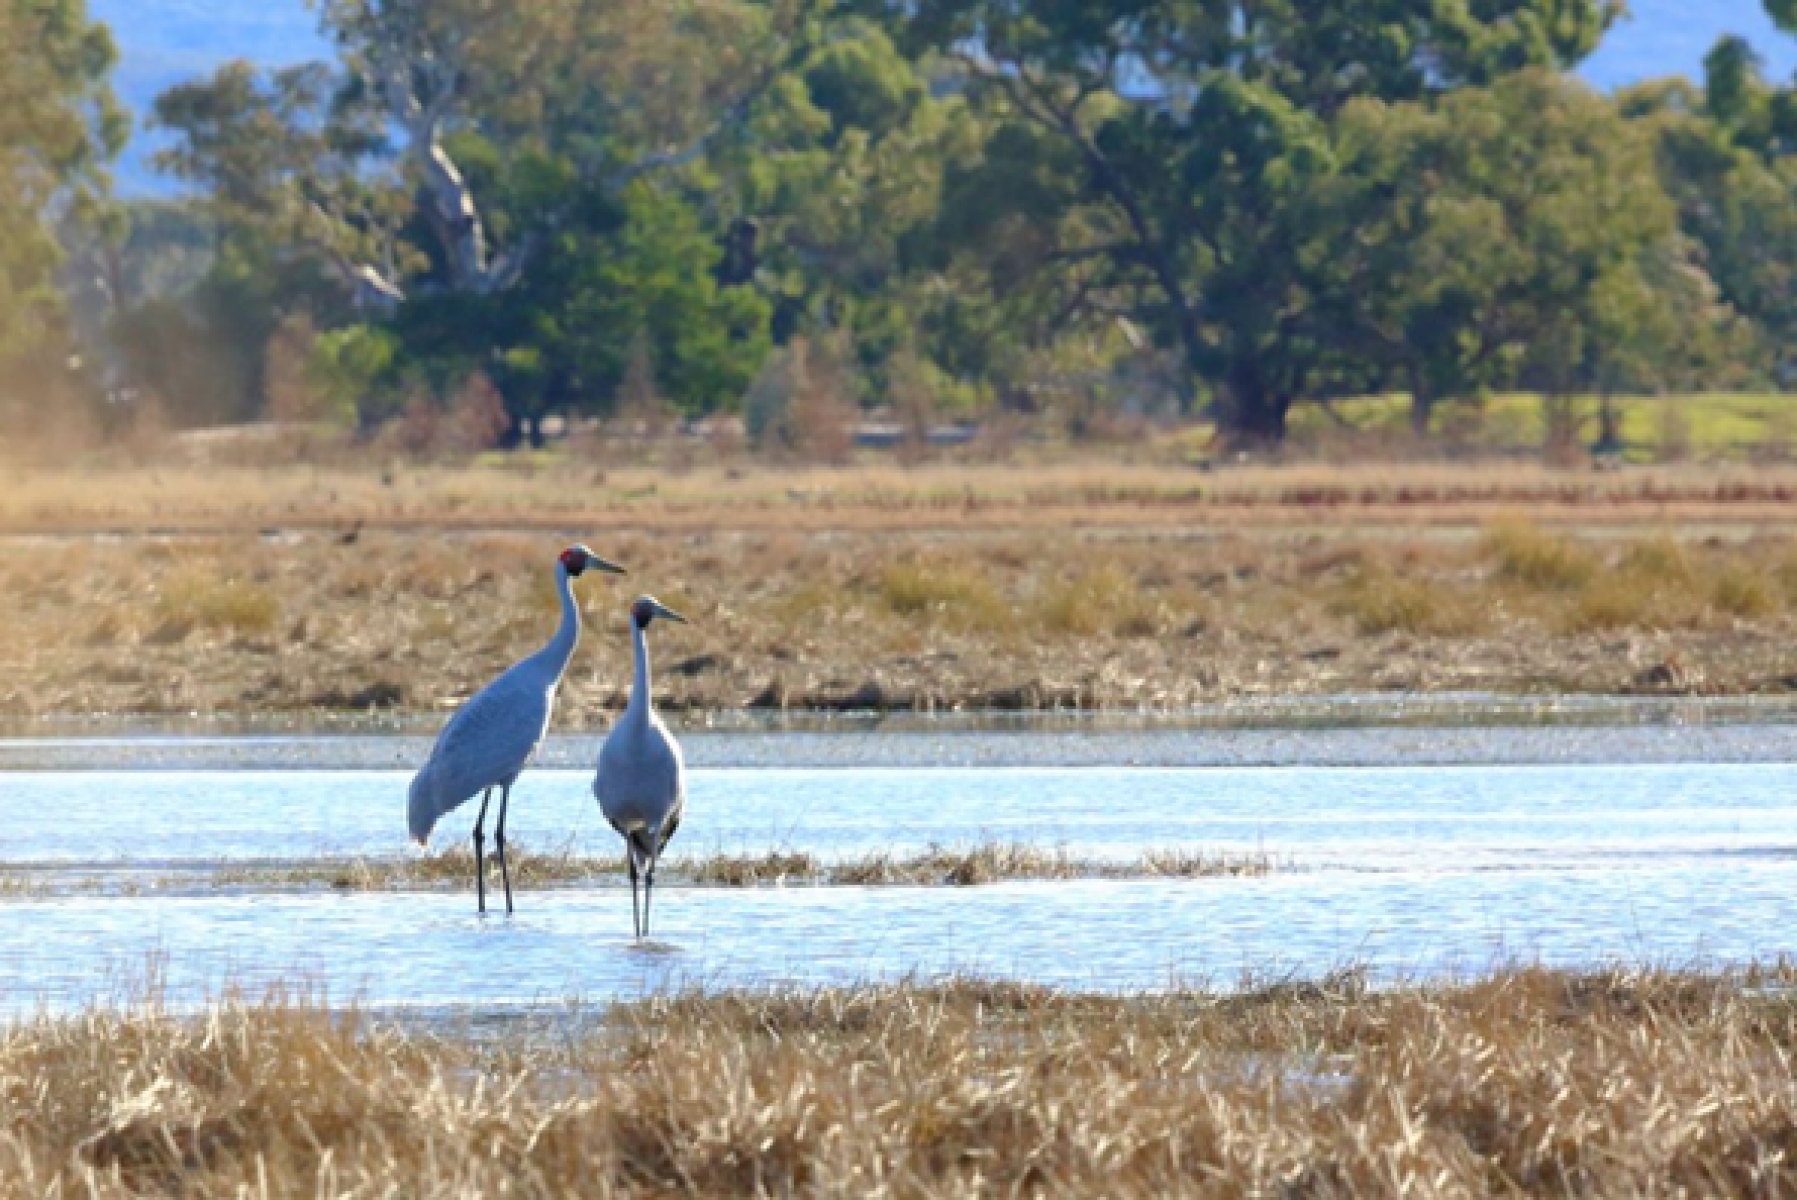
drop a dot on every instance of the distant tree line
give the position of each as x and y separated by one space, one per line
1215 207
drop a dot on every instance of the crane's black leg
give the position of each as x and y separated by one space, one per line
648 894
505 872
480 846
636 918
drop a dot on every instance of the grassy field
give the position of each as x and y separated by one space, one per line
1076 583
1639 1083
1707 427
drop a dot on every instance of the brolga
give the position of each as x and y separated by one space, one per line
490 739
641 784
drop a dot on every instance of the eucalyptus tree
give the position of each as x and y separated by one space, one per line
446 168
1167 148
1499 228
1727 154
59 128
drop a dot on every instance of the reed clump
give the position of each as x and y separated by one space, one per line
446 868
1379 601
1526 554
957 594
1104 600
960 866
1530 1081
749 870
199 599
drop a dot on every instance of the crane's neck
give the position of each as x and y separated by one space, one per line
640 701
560 649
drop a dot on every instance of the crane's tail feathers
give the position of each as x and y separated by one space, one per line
421 807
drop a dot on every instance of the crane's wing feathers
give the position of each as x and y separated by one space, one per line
486 744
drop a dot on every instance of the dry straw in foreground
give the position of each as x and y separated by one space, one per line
1529 1082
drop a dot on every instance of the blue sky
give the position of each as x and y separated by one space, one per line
164 41
1670 37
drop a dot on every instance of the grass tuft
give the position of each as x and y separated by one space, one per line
1659 560
749 870
206 601
1103 600
954 594
1378 601
1528 555
1741 592
1612 601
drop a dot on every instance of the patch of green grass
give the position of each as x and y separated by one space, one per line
207 601
938 591
1740 592
1658 560
1716 424
1106 599
1526 554
1611 601
1378 601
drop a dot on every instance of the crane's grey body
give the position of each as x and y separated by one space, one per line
489 741
641 784
641 781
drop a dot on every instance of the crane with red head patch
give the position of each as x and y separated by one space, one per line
487 743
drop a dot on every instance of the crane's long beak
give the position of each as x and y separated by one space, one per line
662 610
605 564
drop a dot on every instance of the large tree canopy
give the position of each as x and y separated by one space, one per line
1480 228
1171 146
1234 207
467 169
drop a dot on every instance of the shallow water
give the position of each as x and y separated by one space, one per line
431 950
1410 867
1345 818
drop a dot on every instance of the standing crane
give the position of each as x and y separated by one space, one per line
641 784
490 739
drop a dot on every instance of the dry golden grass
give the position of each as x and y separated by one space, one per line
836 611
989 862
1044 490
1624 1083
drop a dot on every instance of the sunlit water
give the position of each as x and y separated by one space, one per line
1410 868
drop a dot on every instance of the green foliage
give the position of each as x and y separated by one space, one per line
59 126
1501 231
799 206
354 369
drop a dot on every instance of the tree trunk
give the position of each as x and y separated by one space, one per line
1254 415
1422 405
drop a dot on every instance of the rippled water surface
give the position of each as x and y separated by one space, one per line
1399 848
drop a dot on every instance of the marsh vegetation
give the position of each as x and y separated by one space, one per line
952 589
1609 1082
